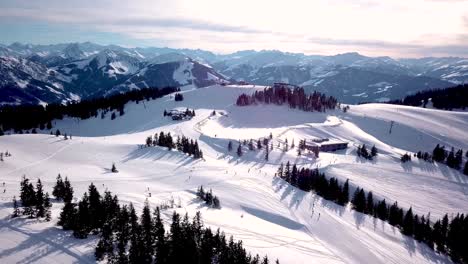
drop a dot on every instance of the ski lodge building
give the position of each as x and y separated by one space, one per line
325 145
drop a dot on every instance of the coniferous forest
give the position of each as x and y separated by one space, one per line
447 99
25 117
126 238
182 144
448 236
294 98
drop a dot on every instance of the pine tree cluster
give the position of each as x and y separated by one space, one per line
452 159
448 98
25 117
445 236
405 157
210 199
35 203
363 152
424 156
261 142
90 214
312 180
126 238
182 144
294 98
178 97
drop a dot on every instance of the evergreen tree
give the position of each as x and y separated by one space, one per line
259 144
159 238
47 206
57 133
68 216
59 187
122 235
67 191
373 151
134 251
280 171
359 200
82 225
216 203
105 247
382 210
267 153
408 223
114 169
146 234
95 208
40 210
465 170
239 150
345 193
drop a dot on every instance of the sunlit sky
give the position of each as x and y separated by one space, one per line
397 28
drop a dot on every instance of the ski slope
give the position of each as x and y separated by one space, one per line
269 215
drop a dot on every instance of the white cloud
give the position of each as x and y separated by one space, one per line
390 27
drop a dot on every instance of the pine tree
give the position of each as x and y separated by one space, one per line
57 133
59 187
67 191
40 210
134 251
47 206
239 150
105 246
216 203
147 234
95 208
114 169
15 208
267 153
359 200
159 238
408 223
68 216
345 193
280 171
82 225
122 235
373 151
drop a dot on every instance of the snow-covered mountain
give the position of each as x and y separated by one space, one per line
24 81
88 69
269 215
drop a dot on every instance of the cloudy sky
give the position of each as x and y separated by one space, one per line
398 28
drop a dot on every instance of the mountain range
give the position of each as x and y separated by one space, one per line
39 74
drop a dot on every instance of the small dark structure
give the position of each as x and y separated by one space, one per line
180 115
333 146
324 145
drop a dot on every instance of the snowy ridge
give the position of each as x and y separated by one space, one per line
269 215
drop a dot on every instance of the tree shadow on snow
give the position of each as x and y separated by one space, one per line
273 218
49 241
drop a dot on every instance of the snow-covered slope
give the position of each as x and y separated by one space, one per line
269 215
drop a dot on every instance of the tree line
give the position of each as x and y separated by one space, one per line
25 117
182 144
452 158
294 98
127 238
447 98
443 235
